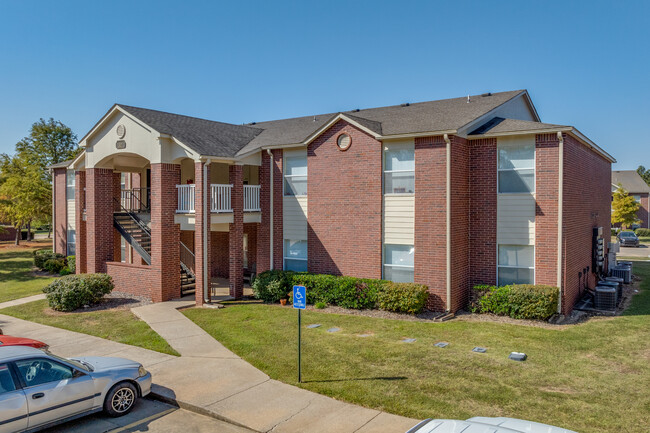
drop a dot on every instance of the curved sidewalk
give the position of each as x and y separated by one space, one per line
211 379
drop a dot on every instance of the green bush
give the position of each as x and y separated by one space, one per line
54 266
346 292
402 297
72 263
65 271
42 256
519 301
271 286
320 305
74 291
642 232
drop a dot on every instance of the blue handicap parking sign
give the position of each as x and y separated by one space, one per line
299 297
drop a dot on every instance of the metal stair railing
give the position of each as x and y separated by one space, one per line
188 260
128 237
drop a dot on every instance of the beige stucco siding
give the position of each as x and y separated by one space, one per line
399 219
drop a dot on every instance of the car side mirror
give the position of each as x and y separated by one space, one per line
78 373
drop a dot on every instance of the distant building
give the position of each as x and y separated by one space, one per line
634 184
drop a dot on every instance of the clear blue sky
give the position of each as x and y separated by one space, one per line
585 63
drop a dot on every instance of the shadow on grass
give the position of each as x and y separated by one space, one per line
386 378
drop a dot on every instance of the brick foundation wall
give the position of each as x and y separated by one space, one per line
344 204
587 204
460 247
430 218
60 212
124 275
99 219
483 211
546 211
80 205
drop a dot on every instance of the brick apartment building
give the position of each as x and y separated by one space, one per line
447 193
634 184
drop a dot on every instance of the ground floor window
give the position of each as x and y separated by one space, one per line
123 250
398 263
245 250
71 242
295 255
516 265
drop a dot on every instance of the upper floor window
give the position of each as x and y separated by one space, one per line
69 184
516 169
637 198
295 175
399 169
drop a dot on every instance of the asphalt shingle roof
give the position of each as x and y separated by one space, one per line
498 125
630 180
61 164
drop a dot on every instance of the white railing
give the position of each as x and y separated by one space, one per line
220 198
251 198
185 198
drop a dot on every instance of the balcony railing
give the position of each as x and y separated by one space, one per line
185 198
220 198
252 198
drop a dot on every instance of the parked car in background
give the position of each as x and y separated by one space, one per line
628 239
481 424
39 389
8 340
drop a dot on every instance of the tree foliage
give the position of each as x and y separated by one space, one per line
624 208
644 173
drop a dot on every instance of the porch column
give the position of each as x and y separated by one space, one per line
236 232
202 238
99 218
263 230
165 234
278 231
117 238
80 206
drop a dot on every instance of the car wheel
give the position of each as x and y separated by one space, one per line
120 399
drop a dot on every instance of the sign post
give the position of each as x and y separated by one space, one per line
299 303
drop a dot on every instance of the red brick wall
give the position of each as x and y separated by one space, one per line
165 234
344 204
587 204
137 280
235 242
278 232
642 214
201 197
460 248
250 229
60 212
7 233
263 234
187 237
430 218
81 238
220 254
99 220
546 212
483 211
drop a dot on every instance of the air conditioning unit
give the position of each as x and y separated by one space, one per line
620 282
614 247
623 272
605 298
614 285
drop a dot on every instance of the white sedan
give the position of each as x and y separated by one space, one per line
481 424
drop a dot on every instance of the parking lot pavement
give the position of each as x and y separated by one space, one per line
642 251
151 416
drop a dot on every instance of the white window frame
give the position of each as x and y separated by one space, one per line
284 252
384 264
68 243
69 185
290 176
534 169
517 267
386 147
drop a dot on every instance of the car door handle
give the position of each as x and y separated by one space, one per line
38 395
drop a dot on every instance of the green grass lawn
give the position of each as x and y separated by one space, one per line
16 280
592 377
116 325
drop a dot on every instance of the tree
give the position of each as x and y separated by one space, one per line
49 142
644 173
624 208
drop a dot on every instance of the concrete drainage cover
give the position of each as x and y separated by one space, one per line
315 325
408 340
441 344
479 349
334 330
518 356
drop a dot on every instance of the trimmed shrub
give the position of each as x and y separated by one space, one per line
42 256
320 305
74 291
346 292
519 301
65 271
271 286
402 297
54 266
72 263
642 232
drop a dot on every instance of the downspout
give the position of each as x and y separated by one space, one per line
268 151
560 194
448 220
206 230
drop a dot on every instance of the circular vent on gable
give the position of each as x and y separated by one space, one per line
343 141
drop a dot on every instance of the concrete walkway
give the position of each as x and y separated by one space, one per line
211 379
20 301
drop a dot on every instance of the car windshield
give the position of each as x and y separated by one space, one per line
79 365
628 235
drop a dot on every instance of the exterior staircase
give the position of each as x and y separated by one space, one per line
188 275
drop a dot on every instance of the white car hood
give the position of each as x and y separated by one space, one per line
102 363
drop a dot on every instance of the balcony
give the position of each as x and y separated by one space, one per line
220 198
